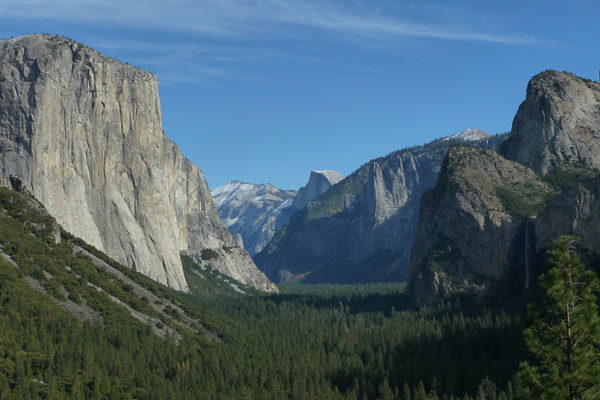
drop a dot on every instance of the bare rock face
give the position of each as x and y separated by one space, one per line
226 260
473 223
558 123
351 233
84 134
318 183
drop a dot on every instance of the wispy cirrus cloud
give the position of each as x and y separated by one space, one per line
242 17
235 31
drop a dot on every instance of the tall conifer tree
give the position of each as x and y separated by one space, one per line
564 332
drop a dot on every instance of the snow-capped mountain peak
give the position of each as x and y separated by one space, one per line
251 210
469 135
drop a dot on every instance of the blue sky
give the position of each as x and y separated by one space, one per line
267 90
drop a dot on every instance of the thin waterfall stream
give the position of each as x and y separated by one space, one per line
527 253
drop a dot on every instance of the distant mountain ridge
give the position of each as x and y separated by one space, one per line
255 211
363 228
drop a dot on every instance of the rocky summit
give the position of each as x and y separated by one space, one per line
486 226
471 221
83 132
318 183
557 124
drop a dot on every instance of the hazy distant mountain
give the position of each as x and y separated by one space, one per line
252 211
255 212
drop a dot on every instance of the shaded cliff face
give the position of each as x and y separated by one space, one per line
576 212
473 223
558 123
363 228
84 134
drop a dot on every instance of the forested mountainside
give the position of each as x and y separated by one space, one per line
84 134
76 324
364 227
487 224
73 320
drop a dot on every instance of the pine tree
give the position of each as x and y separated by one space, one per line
406 392
420 393
385 391
564 333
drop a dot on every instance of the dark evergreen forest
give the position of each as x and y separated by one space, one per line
308 342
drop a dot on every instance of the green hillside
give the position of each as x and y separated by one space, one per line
75 322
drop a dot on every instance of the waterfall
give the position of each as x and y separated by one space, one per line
527 253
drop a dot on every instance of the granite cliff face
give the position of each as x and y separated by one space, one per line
318 183
473 223
83 132
558 123
363 228
576 211
489 221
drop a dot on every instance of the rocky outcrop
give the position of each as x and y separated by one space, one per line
83 132
473 223
318 183
226 260
364 227
558 123
252 211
